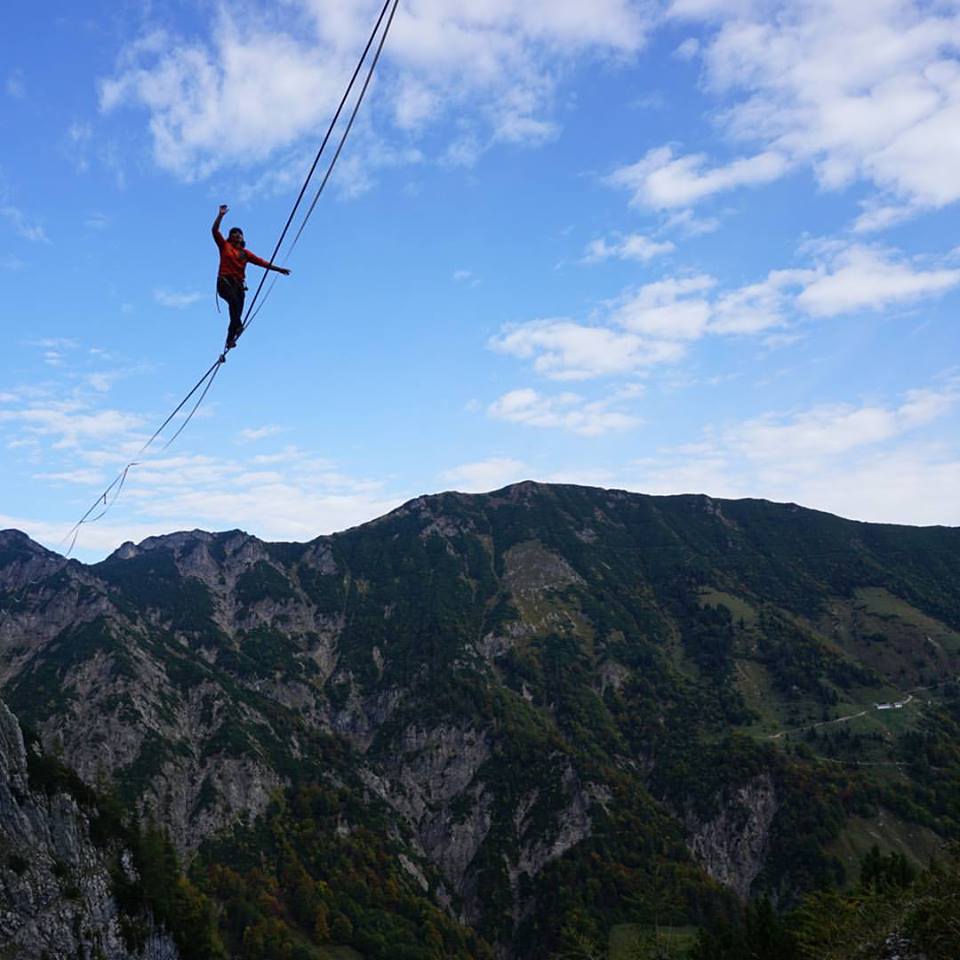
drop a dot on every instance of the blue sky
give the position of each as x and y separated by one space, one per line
690 246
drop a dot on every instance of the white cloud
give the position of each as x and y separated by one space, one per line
79 134
566 411
96 541
258 84
484 475
654 324
83 477
177 301
633 246
54 343
879 216
70 421
860 277
564 350
867 91
240 98
861 461
252 434
688 49
415 104
102 382
304 497
915 485
757 306
648 327
712 8
22 225
687 222
668 309
270 510
517 128
356 167
661 180
464 151
834 429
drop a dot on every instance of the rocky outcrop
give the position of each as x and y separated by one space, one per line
571 824
732 846
431 769
55 886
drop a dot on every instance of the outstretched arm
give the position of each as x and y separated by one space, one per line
215 229
260 262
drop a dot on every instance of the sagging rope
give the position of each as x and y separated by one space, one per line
109 496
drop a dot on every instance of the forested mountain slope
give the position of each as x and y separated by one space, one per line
485 721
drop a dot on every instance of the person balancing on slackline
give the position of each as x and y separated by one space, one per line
234 257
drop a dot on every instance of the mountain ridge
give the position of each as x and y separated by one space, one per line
11 536
518 698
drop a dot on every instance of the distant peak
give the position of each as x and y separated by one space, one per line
178 541
126 551
18 539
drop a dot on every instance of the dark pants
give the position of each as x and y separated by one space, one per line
232 291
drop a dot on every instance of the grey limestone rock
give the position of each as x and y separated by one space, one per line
56 895
732 846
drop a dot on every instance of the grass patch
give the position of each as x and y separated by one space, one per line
739 609
891 835
631 940
882 603
337 953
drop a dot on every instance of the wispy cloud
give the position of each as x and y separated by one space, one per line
483 475
54 343
656 323
687 49
565 411
499 60
633 246
860 277
671 310
304 499
565 350
84 477
466 276
70 422
175 300
81 443
860 460
661 180
855 91
299 502
22 225
252 434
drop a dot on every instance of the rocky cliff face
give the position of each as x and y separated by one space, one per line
732 846
544 689
56 891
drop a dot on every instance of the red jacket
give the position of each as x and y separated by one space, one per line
233 261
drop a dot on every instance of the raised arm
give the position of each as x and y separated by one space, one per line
215 229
